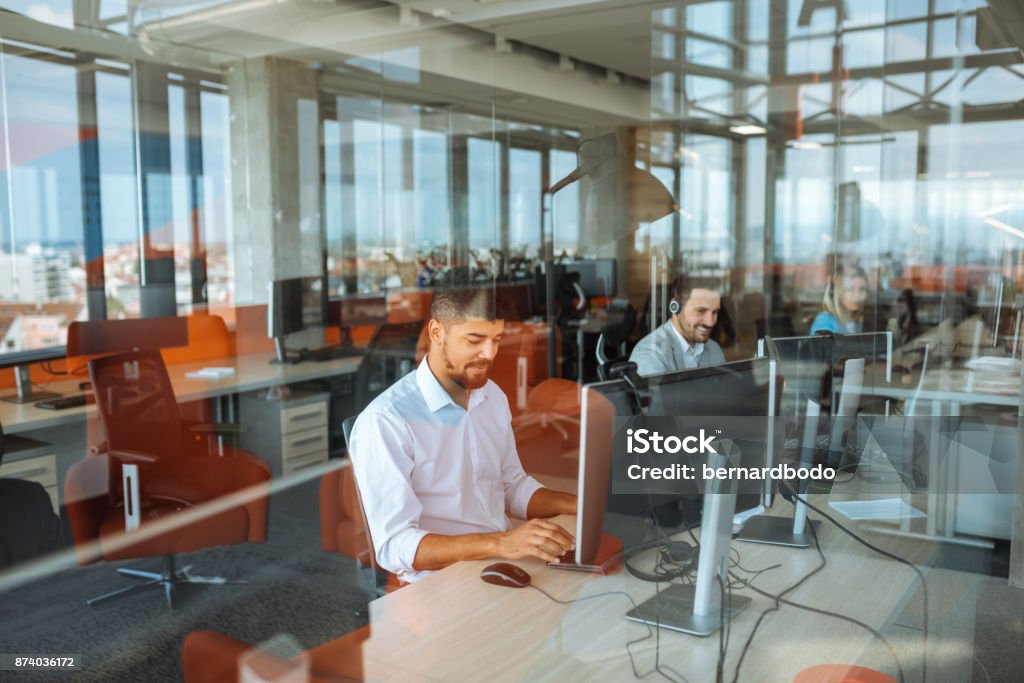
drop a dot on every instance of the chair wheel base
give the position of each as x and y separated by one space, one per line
168 579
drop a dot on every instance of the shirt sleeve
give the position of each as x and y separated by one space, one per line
519 486
382 459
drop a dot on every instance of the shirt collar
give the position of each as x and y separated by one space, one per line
435 395
695 349
432 391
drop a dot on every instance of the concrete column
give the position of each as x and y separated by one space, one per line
154 158
275 166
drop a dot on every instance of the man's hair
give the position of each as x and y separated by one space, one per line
459 304
684 285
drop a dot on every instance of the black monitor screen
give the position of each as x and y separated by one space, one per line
358 309
805 366
297 304
740 388
597 277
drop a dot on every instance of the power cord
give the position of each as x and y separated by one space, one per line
650 632
815 610
778 598
891 556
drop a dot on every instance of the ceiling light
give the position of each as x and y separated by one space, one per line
747 129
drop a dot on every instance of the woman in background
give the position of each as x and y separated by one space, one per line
843 302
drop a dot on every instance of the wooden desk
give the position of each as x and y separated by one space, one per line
253 371
452 626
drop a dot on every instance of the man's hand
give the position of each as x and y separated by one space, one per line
537 538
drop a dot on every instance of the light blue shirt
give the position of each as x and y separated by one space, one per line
827 321
424 465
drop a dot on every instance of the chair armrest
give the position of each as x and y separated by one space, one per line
133 456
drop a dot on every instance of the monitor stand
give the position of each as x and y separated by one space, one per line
281 356
24 384
697 610
790 532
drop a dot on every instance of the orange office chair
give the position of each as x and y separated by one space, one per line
211 657
554 403
133 499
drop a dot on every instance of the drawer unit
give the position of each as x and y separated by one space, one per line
305 416
290 433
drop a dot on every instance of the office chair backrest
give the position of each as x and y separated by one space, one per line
346 428
136 403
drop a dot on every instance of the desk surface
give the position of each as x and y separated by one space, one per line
452 626
948 385
253 371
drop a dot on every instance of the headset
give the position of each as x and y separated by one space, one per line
674 306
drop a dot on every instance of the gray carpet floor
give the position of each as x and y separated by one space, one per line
293 588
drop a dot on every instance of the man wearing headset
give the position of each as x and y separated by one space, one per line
684 341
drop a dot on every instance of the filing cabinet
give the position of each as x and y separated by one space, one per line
289 432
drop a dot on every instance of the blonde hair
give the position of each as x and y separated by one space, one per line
834 291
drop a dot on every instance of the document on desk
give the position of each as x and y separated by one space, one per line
885 508
211 373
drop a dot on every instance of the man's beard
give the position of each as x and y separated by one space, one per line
461 378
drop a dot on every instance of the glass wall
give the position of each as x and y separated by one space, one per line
823 166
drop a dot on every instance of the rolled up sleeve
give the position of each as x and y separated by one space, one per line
382 459
519 486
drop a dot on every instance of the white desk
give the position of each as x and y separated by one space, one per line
945 391
253 371
452 626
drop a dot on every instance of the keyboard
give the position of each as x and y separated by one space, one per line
65 402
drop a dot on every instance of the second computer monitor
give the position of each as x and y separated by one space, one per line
739 389
352 310
296 304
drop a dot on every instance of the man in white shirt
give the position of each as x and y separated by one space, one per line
684 340
435 456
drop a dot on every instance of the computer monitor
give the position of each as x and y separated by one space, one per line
352 310
739 389
597 277
296 304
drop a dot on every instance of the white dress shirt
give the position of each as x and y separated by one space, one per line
424 465
691 352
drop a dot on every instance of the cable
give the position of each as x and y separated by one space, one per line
988 679
48 367
778 599
723 641
843 617
884 553
629 644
